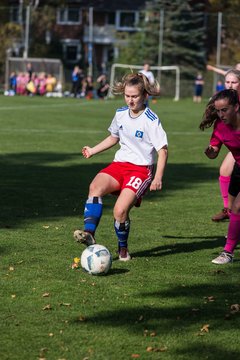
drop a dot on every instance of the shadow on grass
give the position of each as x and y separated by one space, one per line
178 248
47 185
182 311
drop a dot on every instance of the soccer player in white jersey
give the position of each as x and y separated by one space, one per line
138 131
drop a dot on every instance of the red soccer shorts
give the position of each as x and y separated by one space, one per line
135 177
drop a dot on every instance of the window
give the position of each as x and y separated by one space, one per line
127 20
69 16
111 18
17 16
71 50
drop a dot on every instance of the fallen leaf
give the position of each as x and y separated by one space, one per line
13 296
210 298
51 334
11 268
235 308
156 349
135 356
164 348
46 226
47 307
153 334
205 328
65 304
82 318
45 294
75 266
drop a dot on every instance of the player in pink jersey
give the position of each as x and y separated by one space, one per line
223 110
232 81
138 131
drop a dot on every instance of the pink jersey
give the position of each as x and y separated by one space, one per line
225 134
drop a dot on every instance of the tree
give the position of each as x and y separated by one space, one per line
10 34
183 35
230 42
44 41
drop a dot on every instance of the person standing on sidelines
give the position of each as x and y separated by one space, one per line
139 132
223 112
198 88
149 75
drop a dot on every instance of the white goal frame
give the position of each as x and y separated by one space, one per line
176 69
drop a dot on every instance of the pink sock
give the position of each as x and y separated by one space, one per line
233 233
224 184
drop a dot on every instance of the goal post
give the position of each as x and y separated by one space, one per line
173 68
48 66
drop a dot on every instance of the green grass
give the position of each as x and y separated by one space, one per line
164 298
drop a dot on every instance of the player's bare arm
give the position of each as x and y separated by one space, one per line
107 143
212 152
161 163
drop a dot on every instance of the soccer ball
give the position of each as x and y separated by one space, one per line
96 259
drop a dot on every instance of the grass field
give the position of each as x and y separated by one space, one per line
170 302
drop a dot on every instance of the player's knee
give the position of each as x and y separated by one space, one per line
236 207
95 189
119 213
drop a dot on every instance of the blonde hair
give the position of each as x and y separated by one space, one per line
234 72
139 80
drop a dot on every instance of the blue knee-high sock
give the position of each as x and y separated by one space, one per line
92 214
122 232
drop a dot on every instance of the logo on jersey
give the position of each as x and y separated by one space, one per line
139 134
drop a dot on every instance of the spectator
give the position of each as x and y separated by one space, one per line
13 82
51 82
146 71
198 88
103 86
29 71
41 89
149 75
87 87
220 86
77 78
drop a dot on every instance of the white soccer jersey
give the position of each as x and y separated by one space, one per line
139 137
149 75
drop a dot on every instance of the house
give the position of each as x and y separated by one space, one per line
88 30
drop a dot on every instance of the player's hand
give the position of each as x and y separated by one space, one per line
156 185
211 152
87 152
209 67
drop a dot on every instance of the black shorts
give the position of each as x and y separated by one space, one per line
234 186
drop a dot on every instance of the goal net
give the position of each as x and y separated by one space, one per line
48 66
169 82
